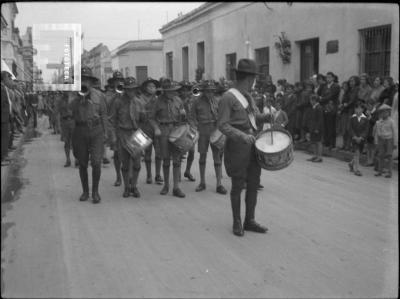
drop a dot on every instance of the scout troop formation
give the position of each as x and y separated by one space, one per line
157 109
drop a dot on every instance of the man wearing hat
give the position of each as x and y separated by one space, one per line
90 115
185 93
237 120
127 112
203 116
167 114
148 98
111 96
67 124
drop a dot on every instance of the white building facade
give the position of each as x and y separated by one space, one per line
345 38
139 58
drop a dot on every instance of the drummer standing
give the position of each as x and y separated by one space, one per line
166 116
111 96
126 114
148 97
203 116
185 93
239 126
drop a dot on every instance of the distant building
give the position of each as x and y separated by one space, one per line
99 60
11 43
27 52
139 59
345 38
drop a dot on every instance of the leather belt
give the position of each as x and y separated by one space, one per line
89 123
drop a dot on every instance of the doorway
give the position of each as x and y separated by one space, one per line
309 58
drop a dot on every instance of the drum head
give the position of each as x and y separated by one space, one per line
215 136
279 141
177 133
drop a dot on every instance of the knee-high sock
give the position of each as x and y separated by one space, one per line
83 173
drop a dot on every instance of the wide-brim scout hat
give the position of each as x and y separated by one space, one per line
168 85
384 107
208 85
185 84
86 73
247 66
117 75
151 80
130 83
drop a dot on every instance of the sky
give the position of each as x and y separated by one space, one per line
110 23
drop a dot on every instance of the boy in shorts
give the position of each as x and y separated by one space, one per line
359 125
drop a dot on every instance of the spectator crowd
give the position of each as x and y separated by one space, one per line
358 115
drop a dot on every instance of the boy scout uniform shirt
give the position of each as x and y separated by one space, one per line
204 114
90 110
124 116
167 111
233 120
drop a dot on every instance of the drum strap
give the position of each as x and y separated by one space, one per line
242 100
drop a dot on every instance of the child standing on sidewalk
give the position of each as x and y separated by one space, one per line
385 139
358 132
316 127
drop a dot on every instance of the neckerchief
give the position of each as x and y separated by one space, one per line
213 106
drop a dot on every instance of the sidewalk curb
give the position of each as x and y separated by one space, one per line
340 155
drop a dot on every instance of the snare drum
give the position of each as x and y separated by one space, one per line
141 139
276 152
136 143
218 139
183 138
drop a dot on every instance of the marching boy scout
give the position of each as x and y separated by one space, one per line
111 96
167 114
90 116
126 114
148 97
203 116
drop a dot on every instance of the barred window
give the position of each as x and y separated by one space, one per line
375 50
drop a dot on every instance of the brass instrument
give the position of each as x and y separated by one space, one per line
120 88
84 91
158 92
196 91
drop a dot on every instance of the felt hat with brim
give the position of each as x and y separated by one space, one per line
186 84
151 80
384 107
130 83
168 85
117 75
247 66
86 73
207 85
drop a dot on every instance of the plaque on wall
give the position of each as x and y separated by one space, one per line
332 46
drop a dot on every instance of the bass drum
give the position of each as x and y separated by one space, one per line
274 149
218 139
183 138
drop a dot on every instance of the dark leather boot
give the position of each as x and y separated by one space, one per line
149 179
159 180
165 189
237 228
117 166
85 183
178 193
96 171
125 176
189 176
158 177
252 225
